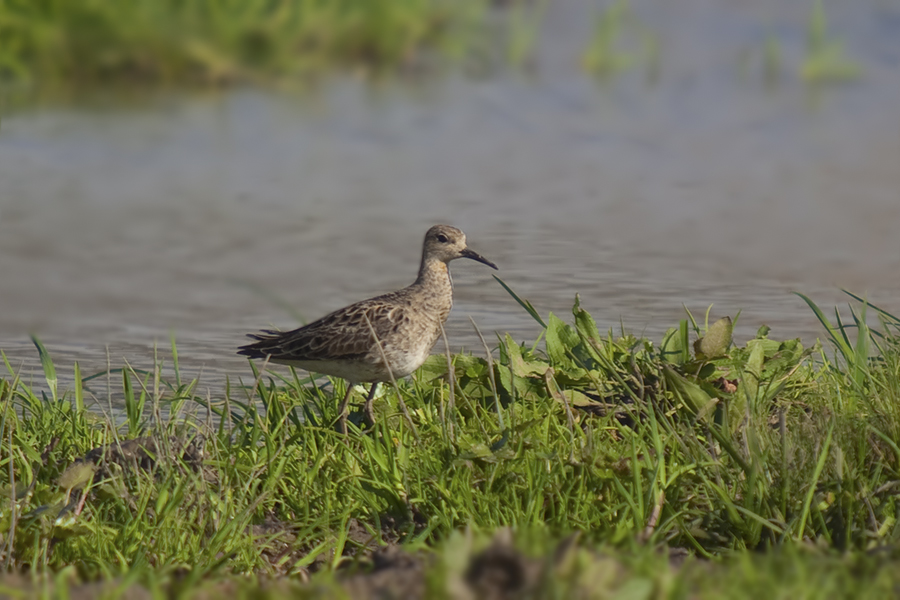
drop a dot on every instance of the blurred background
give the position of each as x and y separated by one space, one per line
204 169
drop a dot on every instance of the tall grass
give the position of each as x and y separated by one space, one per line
214 41
710 447
66 44
826 60
620 42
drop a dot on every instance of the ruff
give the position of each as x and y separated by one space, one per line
406 323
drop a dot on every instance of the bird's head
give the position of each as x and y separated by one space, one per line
446 243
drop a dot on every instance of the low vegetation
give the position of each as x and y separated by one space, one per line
205 41
61 45
585 461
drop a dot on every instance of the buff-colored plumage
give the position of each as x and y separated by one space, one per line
407 323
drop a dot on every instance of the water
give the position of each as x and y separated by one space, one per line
121 224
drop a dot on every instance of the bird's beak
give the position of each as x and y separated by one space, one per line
467 253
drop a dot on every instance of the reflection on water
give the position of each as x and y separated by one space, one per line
121 225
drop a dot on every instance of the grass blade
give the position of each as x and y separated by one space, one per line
47 365
811 492
522 302
838 340
895 319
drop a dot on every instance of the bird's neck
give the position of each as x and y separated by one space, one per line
434 273
434 288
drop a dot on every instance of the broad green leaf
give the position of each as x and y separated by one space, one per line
789 354
757 356
47 365
584 322
576 376
434 366
752 370
560 339
691 394
522 367
576 398
671 349
716 341
525 379
560 394
769 347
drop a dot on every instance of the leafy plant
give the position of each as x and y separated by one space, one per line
825 60
700 444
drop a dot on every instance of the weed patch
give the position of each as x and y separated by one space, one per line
592 455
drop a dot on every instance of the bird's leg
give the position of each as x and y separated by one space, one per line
342 420
368 410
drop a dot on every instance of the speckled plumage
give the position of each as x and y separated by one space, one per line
407 323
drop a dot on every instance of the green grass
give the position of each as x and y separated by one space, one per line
620 42
220 41
716 450
57 46
825 61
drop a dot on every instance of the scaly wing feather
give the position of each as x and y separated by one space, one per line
341 335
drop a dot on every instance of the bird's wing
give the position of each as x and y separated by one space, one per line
343 334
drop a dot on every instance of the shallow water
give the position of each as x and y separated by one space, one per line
187 214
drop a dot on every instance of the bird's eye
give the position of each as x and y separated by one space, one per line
442 238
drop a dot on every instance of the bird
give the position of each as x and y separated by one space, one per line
405 324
